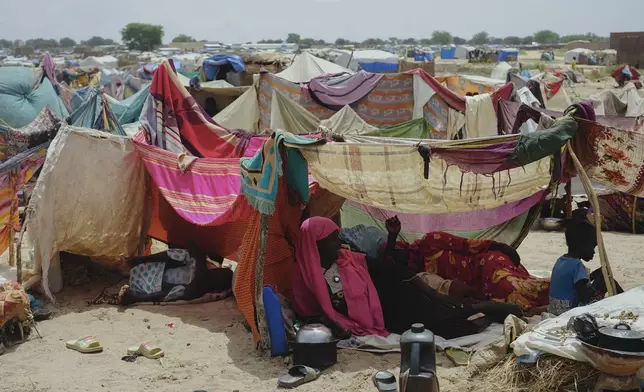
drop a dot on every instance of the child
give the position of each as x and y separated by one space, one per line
569 280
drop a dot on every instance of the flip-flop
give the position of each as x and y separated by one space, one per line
148 350
297 375
458 356
385 381
85 345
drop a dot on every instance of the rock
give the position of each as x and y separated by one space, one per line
145 320
148 327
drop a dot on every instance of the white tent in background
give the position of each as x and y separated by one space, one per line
100 62
306 67
463 51
576 53
501 70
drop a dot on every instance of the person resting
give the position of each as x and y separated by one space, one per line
570 283
371 296
176 274
478 269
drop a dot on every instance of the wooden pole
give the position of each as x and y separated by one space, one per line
569 199
592 196
633 214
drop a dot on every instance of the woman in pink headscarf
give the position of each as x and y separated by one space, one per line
334 282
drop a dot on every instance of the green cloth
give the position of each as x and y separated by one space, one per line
537 145
414 129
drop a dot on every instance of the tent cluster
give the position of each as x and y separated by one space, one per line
359 144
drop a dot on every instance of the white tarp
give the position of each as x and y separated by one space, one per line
347 122
571 54
89 200
547 336
99 62
306 67
242 114
480 117
625 101
500 72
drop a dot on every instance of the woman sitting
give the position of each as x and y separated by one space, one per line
491 269
371 298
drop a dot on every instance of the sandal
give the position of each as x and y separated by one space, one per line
385 381
86 345
147 350
297 375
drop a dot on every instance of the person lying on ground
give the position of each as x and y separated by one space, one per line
570 283
176 274
478 269
372 296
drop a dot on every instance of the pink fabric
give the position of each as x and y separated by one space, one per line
310 292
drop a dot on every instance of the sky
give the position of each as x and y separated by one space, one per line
239 21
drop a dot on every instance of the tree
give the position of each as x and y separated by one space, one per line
426 41
394 41
307 41
481 38
442 37
320 42
592 37
293 38
527 40
512 40
409 41
67 42
546 37
5 43
372 42
459 41
183 38
341 42
97 41
42 43
496 41
270 41
142 36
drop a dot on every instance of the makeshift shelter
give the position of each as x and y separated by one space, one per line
24 92
501 70
217 66
306 67
508 54
99 62
377 61
580 54
462 52
448 53
626 102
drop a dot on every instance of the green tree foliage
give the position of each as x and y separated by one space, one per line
442 37
459 41
372 42
42 43
426 41
527 40
409 41
342 42
67 42
592 37
183 38
270 41
293 38
481 38
546 37
496 41
142 36
394 41
5 43
512 40
97 41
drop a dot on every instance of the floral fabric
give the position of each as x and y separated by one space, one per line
14 303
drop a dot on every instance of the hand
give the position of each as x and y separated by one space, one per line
393 225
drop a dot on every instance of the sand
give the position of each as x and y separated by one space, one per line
209 348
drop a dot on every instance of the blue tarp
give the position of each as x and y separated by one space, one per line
211 65
21 102
505 54
378 67
448 53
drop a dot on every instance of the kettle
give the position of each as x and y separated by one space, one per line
418 360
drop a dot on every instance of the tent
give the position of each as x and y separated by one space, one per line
24 92
99 62
463 51
508 54
448 53
306 67
580 54
369 60
217 66
501 70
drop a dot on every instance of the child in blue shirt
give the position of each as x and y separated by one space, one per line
569 280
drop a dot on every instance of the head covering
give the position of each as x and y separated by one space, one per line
310 293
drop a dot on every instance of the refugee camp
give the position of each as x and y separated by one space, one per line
260 211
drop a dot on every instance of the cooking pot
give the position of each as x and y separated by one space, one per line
315 347
620 338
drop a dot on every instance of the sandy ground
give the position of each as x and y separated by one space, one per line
209 348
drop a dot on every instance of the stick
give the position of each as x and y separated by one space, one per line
633 214
569 199
592 196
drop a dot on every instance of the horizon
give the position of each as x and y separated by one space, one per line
234 24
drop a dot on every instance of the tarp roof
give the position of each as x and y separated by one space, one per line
306 67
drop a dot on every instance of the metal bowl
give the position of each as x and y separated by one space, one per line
551 224
313 334
616 363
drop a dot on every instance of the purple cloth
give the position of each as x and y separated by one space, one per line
49 67
454 221
485 160
339 91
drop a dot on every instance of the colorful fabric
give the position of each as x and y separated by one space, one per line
537 145
201 190
552 89
334 92
310 292
413 129
147 278
622 212
180 275
172 119
491 272
14 303
563 293
392 177
42 129
260 173
612 157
